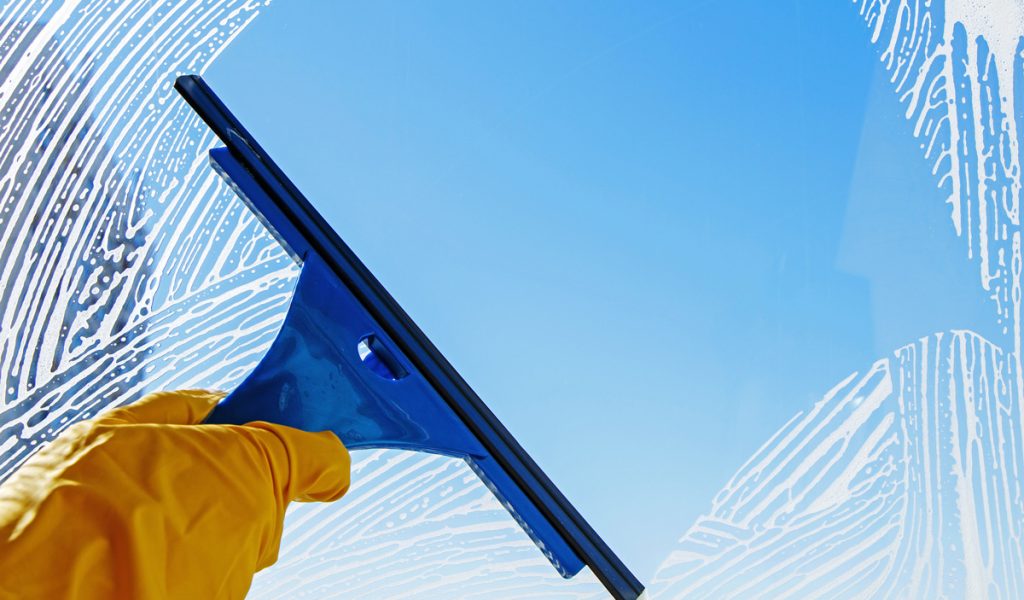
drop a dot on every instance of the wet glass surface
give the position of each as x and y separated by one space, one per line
743 279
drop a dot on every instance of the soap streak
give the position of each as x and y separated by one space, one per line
904 481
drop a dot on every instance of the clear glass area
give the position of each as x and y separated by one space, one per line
743 277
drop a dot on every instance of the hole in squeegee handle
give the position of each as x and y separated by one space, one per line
379 359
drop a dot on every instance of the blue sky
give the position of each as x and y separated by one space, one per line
647 235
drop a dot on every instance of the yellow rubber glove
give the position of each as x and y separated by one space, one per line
144 503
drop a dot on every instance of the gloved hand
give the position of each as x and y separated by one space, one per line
143 502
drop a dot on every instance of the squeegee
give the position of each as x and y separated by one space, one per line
348 359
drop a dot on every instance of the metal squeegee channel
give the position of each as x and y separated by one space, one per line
608 568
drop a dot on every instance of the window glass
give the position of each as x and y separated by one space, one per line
744 278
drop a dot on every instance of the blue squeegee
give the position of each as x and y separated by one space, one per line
348 359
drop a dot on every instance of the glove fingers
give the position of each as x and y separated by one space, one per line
305 465
184 407
258 469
